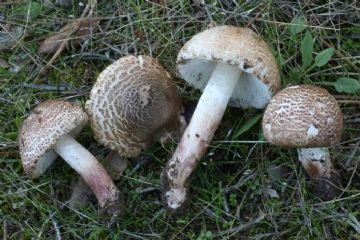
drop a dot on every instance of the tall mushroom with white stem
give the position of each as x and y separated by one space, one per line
307 118
133 104
230 65
50 130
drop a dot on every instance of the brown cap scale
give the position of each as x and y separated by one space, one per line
308 118
50 130
133 103
231 65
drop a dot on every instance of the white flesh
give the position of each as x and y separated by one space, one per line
85 164
249 92
200 131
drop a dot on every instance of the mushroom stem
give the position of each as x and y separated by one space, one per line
93 173
114 165
199 133
317 163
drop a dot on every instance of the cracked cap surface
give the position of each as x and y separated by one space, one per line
303 116
236 46
132 104
47 123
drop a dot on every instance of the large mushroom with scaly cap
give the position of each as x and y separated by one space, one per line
50 130
307 118
231 65
134 103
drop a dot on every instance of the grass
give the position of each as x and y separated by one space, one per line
230 187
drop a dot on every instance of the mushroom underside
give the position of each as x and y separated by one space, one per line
248 92
46 160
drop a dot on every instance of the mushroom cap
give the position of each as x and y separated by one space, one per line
303 116
236 46
132 104
47 123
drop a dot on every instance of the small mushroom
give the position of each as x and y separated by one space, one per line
230 65
307 118
133 103
50 130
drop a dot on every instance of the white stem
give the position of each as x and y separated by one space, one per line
199 133
316 161
93 173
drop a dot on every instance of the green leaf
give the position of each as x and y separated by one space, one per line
324 57
32 8
244 128
18 122
307 47
347 85
11 135
298 25
35 9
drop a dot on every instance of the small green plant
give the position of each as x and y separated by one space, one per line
205 235
342 85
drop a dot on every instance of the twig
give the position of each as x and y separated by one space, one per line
56 227
354 223
46 87
241 227
352 154
244 142
5 230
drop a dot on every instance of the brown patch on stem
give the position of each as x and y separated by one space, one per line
312 170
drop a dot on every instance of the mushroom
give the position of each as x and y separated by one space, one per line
133 103
307 118
50 130
230 65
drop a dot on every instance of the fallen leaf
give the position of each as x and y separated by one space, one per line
73 34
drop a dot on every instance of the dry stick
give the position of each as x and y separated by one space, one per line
352 154
56 226
240 227
5 230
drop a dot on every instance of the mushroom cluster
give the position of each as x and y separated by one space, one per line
134 103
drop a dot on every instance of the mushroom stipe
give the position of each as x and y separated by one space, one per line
231 65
